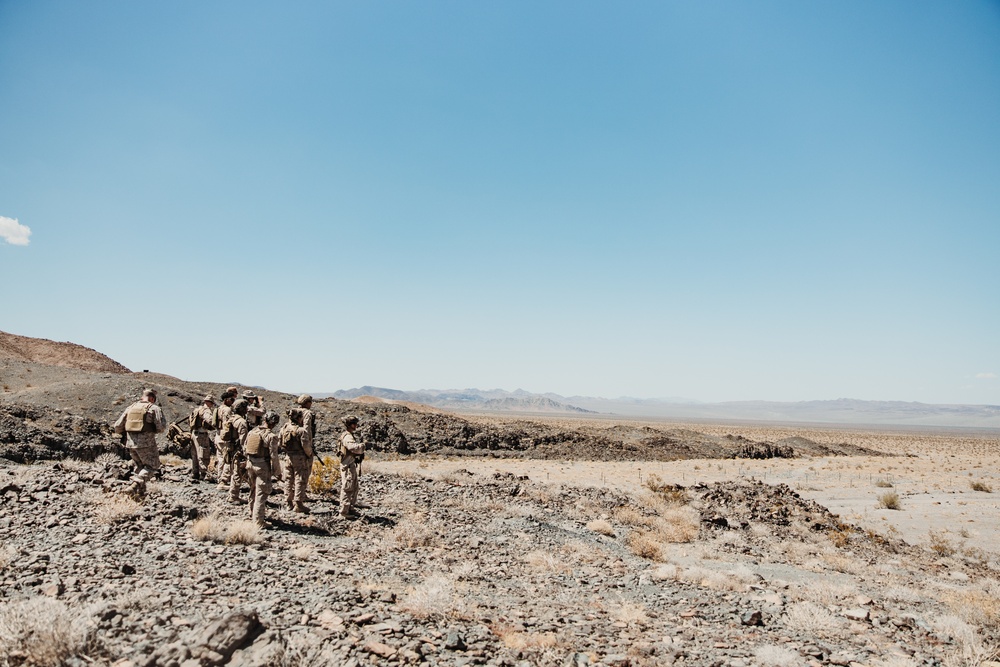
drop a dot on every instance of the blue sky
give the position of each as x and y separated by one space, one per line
711 200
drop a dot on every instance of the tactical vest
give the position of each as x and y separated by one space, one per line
291 440
135 418
255 445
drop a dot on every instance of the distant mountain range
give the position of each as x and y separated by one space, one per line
840 411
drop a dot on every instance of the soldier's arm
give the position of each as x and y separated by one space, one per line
159 420
120 424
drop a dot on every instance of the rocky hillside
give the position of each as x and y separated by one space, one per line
468 570
65 355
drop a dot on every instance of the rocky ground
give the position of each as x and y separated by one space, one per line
464 569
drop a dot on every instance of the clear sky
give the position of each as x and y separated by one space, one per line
711 200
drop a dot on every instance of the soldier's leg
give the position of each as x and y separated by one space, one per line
239 475
224 463
252 483
148 460
348 487
304 468
204 454
290 476
195 458
261 470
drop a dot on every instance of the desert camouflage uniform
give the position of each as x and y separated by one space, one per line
259 474
201 444
298 464
350 450
223 468
142 446
237 458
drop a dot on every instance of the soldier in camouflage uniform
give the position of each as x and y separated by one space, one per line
352 453
305 402
256 411
140 422
298 461
222 468
261 445
200 422
237 453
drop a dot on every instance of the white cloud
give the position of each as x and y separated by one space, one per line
14 232
986 376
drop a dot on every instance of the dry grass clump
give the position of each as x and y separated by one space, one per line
212 528
41 632
970 648
434 597
977 485
113 508
889 500
643 543
977 607
521 641
325 475
883 483
302 552
172 461
845 564
771 655
601 526
631 613
413 532
809 617
824 592
546 561
939 543
673 493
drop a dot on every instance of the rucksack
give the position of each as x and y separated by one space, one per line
196 422
135 418
228 432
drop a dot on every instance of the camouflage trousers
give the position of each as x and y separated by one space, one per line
349 486
238 468
201 454
146 460
259 474
224 469
298 467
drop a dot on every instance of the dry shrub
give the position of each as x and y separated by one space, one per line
172 461
889 500
434 597
413 532
970 649
546 561
631 613
824 591
895 661
325 475
644 544
939 543
845 564
977 485
213 529
668 572
716 580
244 531
809 617
303 552
883 483
601 526
520 641
41 632
113 508
679 524
771 655
630 516
976 607
673 493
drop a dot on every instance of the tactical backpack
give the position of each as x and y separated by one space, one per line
291 441
135 418
228 432
253 444
196 422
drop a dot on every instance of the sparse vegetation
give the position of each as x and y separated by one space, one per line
213 528
113 508
414 531
41 632
325 476
940 544
979 485
883 483
889 500
601 526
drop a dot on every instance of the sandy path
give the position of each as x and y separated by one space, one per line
934 489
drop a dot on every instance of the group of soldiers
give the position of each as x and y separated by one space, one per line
247 449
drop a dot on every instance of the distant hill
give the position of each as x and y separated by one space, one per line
840 411
66 355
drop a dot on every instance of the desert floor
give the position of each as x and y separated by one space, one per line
932 473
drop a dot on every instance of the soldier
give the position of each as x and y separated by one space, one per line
255 413
237 454
200 422
140 422
352 453
222 446
298 460
305 401
261 445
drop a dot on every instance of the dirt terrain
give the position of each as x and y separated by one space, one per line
498 542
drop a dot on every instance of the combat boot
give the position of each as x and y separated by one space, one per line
301 509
